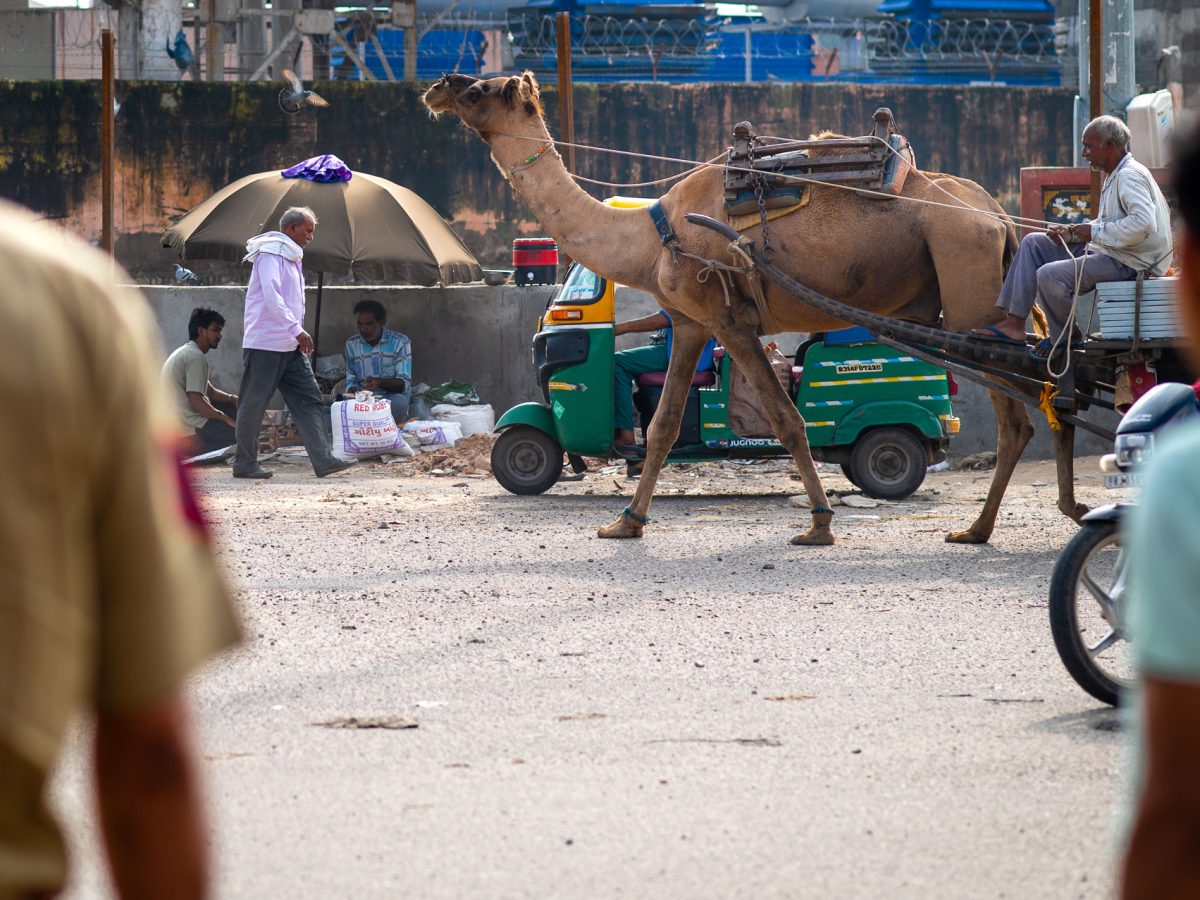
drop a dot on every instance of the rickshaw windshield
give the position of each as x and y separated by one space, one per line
581 285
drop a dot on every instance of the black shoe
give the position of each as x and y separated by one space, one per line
255 473
341 466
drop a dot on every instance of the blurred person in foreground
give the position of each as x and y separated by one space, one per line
275 348
1163 616
109 591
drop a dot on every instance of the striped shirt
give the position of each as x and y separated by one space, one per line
390 358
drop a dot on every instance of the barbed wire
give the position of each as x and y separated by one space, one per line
679 47
959 43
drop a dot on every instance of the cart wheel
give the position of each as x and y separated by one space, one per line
887 463
526 460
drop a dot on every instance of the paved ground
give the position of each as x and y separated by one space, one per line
709 712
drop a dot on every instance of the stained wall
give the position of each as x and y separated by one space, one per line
178 142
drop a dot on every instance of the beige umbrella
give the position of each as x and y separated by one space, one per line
368 227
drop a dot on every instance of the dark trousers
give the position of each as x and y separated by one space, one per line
264 372
216 435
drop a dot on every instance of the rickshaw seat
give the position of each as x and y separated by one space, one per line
657 379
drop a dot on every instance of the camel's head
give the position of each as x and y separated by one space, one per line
492 105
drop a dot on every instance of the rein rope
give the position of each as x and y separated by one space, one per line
696 165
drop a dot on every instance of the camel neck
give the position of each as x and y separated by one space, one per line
586 230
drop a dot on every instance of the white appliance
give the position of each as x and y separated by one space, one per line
1151 119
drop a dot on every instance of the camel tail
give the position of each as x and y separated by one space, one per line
1040 326
1010 246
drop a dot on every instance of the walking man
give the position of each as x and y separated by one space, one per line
275 346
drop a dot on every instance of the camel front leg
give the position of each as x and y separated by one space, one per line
742 344
1013 432
1064 464
687 341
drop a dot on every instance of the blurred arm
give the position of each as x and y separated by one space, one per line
150 810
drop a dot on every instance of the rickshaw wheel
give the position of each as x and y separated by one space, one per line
887 463
526 460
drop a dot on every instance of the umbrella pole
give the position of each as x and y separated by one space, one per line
317 319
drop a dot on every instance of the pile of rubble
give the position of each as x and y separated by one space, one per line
471 455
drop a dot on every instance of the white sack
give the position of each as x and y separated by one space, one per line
475 419
365 428
434 433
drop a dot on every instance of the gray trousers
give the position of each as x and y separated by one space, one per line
1045 270
264 371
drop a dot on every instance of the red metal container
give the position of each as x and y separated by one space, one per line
535 261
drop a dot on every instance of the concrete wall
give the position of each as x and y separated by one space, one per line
178 142
481 335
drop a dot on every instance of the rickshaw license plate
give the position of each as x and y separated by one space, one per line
1122 480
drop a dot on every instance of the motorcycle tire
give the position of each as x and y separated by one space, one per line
526 460
1067 592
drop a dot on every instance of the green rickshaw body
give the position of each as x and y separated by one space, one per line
878 412
847 388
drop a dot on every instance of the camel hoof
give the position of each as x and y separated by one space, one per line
1080 510
966 537
623 527
819 534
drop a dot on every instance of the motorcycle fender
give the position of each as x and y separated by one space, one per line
535 414
1112 512
887 412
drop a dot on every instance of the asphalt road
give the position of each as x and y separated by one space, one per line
707 712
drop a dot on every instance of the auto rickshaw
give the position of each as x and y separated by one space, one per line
881 414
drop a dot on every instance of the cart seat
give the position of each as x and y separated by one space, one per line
657 379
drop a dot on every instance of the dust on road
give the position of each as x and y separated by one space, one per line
706 712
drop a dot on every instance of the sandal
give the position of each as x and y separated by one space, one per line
1042 349
994 334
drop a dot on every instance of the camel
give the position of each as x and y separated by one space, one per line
905 260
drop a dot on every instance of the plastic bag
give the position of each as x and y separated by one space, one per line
365 428
476 419
453 392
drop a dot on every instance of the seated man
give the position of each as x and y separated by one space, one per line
379 360
1132 233
185 375
631 363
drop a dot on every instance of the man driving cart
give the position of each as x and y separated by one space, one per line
1131 234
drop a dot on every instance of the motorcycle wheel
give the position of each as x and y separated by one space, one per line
526 460
1086 594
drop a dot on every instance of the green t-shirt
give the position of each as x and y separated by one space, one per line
187 370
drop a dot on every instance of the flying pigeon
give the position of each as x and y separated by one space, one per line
185 276
182 54
293 98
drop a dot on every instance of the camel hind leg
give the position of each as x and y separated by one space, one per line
1013 432
742 344
687 341
1064 464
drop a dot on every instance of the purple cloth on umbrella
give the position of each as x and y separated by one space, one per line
320 168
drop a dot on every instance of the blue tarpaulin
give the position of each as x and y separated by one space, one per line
944 7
